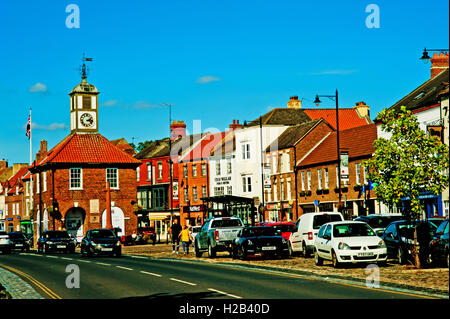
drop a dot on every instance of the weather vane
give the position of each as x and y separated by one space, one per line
84 69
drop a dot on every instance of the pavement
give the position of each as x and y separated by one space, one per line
433 281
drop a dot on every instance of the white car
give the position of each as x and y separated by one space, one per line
306 229
195 230
348 242
5 243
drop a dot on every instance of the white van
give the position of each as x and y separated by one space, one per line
307 227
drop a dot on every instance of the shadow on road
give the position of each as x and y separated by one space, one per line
193 295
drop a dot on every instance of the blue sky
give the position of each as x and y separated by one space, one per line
214 61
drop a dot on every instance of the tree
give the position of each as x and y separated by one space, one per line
141 145
407 164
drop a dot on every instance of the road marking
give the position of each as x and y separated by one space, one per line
183 282
224 293
47 290
54 257
66 258
150 273
103 264
85 261
126 268
139 257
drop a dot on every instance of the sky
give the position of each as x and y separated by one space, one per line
213 61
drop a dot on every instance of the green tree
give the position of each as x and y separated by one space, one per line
407 164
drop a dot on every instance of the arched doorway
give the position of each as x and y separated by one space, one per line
74 222
117 219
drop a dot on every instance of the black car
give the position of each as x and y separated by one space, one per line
438 249
379 222
101 242
55 240
259 241
19 241
399 239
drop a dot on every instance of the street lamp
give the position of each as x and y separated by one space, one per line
334 98
425 57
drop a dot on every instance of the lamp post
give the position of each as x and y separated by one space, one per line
335 98
425 57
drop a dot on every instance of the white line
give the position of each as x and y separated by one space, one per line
103 264
126 268
139 257
85 261
150 273
224 293
54 257
65 258
184 282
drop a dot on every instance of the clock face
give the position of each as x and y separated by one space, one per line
86 120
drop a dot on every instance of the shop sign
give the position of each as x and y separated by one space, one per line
193 208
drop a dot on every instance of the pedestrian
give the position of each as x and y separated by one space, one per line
186 239
175 235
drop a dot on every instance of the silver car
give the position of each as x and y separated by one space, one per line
5 243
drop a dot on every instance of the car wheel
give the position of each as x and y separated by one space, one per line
334 259
448 262
45 249
401 256
197 251
291 252
317 259
306 252
118 253
211 251
242 254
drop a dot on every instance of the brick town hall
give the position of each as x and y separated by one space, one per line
70 181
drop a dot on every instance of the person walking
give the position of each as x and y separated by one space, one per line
175 231
186 238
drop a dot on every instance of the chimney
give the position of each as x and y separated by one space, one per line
235 125
439 62
362 109
42 151
177 130
3 163
294 103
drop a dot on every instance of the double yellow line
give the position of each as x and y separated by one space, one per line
41 286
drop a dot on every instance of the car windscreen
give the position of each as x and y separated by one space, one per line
352 230
103 233
57 234
15 236
319 220
259 231
218 223
287 228
196 229
380 222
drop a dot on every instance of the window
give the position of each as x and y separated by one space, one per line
365 175
44 181
303 181
160 170
275 190
288 184
194 193
149 172
38 184
112 177
274 163
309 180
218 191
326 177
338 182
86 102
204 191
358 173
186 194
282 190
246 184
75 178
204 169
246 151
194 170
159 199
138 172
229 190
229 167
217 168
319 178
185 171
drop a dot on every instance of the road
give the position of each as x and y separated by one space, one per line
144 277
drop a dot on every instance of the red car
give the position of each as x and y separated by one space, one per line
285 228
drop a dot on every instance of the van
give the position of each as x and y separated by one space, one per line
306 229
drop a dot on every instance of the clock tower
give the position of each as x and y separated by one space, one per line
84 105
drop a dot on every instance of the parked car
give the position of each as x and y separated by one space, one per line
399 239
348 242
259 241
438 249
5 243
379 222
19 241
195 230
306 228
437 221
284 228
55 240
101 242
217 234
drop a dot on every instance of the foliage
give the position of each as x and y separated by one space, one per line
408 163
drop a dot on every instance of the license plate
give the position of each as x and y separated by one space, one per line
368 254
107 249
61 246
269 248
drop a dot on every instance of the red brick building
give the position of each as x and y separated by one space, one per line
70 181
193 172
317 173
